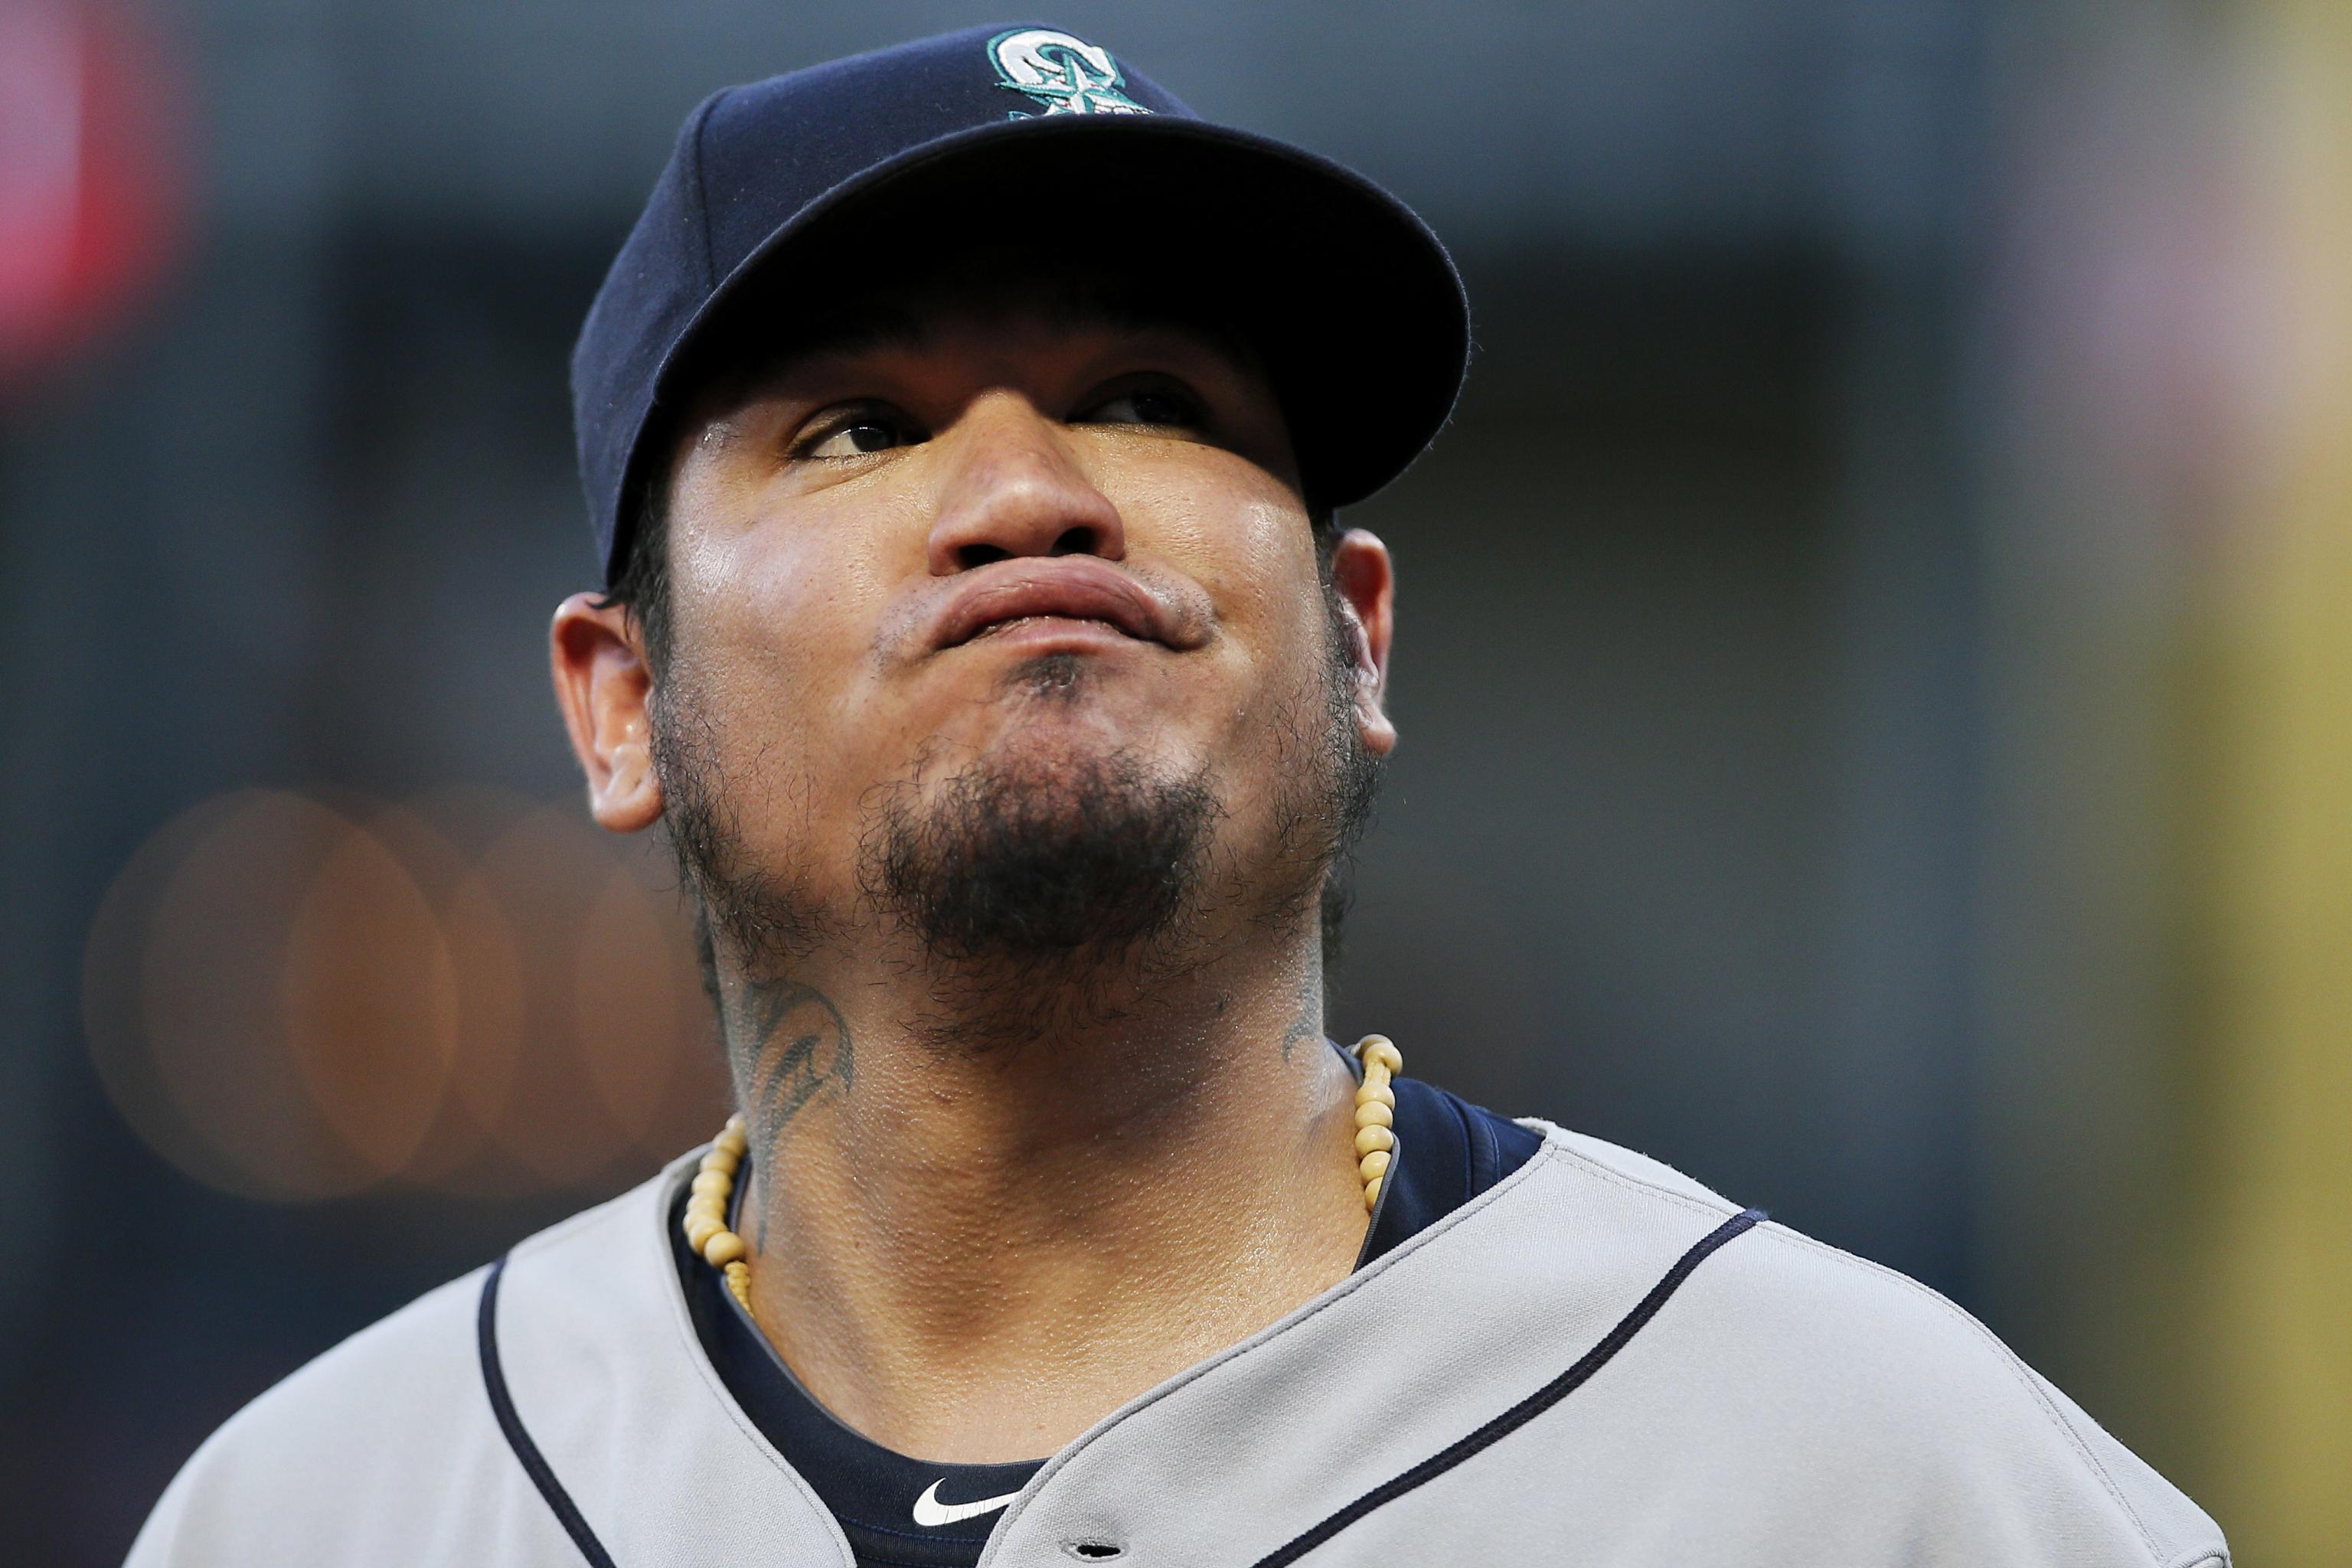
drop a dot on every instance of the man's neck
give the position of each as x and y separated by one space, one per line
972 1256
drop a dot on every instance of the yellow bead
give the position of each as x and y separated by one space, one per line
1376 1090
1367 1139
1372 1195
710 1204
701 1228
717 1183
733 1139
723 1248
1381 1049
1374 1165
721 1161
1375 1114
739 1284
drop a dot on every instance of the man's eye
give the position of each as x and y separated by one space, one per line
859 436
1148 406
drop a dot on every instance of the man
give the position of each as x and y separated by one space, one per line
963 425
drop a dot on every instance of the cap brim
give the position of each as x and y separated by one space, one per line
1350 301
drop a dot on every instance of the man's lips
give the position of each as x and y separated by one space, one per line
1062 587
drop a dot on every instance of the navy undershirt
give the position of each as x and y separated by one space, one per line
1448 1152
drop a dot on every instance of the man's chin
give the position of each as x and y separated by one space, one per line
1041 849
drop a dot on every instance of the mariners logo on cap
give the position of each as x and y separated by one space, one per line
1068 75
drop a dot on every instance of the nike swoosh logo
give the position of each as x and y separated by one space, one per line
930 1512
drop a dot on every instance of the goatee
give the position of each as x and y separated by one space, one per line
1039 868
1034 859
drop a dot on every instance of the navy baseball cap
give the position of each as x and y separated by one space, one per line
1019 134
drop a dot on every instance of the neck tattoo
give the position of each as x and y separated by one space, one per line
708 1233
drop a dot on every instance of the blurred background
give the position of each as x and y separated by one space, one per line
1876 663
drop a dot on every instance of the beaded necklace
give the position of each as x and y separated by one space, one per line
714 1182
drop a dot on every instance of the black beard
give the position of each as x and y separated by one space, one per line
1081 858
1017 875
769 918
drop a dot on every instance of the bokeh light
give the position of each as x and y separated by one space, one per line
370 1002
295 998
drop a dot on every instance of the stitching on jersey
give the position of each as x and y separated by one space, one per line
1233 1355
1558 1137
675 1302
2017 1370
1486 1434
534 1464
1590 1166
698 1358
2016 1367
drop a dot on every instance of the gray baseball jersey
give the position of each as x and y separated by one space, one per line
1598 1362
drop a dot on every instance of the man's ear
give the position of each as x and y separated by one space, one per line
603 684
1365 579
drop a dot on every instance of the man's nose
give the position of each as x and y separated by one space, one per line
1013 487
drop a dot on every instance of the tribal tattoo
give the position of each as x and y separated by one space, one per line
795 1046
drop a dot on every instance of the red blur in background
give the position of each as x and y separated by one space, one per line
91 179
